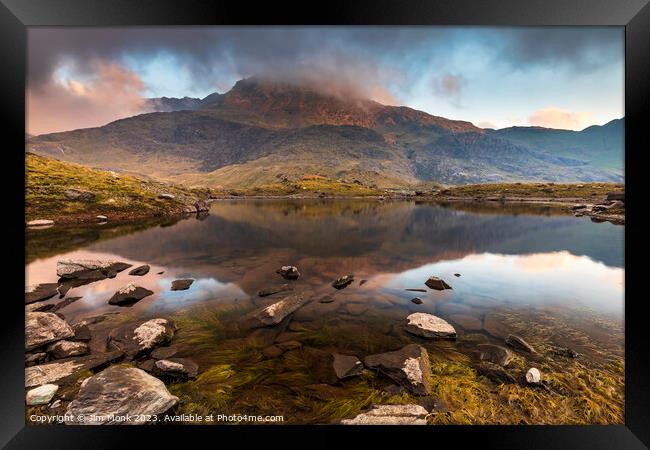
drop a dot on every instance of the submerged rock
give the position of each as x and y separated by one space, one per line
429 326
517 342
416 300
140 270
289 272
274 290
89 269
117 392
129 294
66 349
41 395
176 368
408 366
390 415
41 292
494 353
64 371
437 283
346 366
42 328
533 376
139 338
343 281
182 285
275 313
164 352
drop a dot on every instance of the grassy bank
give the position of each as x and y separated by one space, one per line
532 191
117 196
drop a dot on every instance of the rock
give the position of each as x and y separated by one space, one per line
408 366
416 300
390 415
39 307
81 332
566 352
66 349
289 272
346 366
286 337
89 269
138 338
616 195
437 283
182 285
494 353
79 195
495 374
176 368
64 371
164 352
147 365
167 196
320 364
415 290
356 309
275 313
42 328
41 292
326 299
429 326
616 205
160 273
469 323
518 343
38 223
129 294
116 392
201 206
64 303
343 282
55 404
533 376
457 275
101 218
578 207
272 351
362 282
289 345
274 290
189 209
140 270
32 359
41 395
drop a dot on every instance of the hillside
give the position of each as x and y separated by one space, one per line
67 193
260 131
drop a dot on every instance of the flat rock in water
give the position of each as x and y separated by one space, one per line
41 292
518 343
437 283
89 268
64 371
494 353
343 281
41 395
390 415
139 338
289 272
129 294
42 328
275 313
117 392
140 270
415 290
347 366
38 307
356 309
429 326
456 274
273 290
326 299
66 349
175 368
182 285
164 352
408 366
64 303
321 365
416 300
469 323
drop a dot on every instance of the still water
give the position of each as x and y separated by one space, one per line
555 279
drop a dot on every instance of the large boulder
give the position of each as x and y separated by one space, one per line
136 339
89 268
65 371
275 313
129 294
429 326
437 283
42 328
118 392
408 366
66 349
390 415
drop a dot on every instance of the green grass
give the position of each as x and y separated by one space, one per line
594 191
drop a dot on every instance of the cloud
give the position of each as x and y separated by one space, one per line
112 92
450 86
559 118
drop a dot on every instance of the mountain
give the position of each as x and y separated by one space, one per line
261 131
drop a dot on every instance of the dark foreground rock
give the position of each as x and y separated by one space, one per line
390 415
89 268
495 354
117 392
429 326
343 282
408 366
182 285
139 338
519 343
175 368
346 366
65 371
289 272
129 294
42 328
140 270
275 313
437 283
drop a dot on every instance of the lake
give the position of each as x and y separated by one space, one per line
537 271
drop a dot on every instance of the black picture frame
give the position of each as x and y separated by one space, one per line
17 15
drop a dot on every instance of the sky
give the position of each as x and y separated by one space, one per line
494 77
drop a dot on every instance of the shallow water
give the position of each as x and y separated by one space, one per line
553 278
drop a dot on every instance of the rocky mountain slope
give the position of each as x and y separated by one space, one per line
261 131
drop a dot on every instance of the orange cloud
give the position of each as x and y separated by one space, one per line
559 118
113 92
